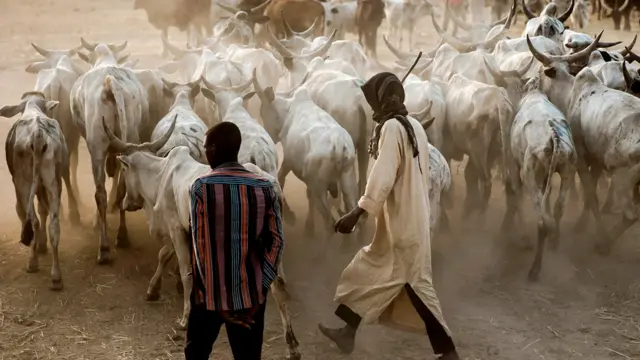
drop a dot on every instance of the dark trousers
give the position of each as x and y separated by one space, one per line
204 327
440 340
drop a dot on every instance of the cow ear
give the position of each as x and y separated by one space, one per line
35 67
208 94
195 90
51 104
124 161
10 111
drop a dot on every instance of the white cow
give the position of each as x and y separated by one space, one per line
114 93
603 123
315 147
38 161
189 130
341 17
165 197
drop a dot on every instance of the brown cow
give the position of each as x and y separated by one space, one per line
192 16
369 16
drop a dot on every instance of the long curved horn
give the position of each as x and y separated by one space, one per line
564 17
624 5
459 45
116 145
512 13
72 52
277 45
397 52
631 56
421 67
259 10
87 45
158 144
228 8
40 50
169 84
420 115
288 31
527 12
606 7
432 53
289 93
544 59
456 20
609 44
628 79
311 30
237 89
624 52
518 73
322 50
119 48
123 59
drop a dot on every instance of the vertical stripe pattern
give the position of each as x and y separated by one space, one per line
237 238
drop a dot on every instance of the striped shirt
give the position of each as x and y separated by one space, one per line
237 237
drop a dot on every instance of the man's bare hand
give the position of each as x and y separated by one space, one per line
348 222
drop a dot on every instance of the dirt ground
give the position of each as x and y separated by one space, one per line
583 307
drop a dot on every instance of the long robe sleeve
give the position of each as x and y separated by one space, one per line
385 169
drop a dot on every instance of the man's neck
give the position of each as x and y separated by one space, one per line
226 165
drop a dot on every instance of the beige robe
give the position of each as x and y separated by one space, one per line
372 285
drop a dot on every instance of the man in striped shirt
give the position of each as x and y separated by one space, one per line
237 242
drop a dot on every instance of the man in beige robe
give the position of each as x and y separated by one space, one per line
389 281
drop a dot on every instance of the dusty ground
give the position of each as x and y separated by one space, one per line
584 307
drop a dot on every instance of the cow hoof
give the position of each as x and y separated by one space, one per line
603 249
104 258
56 285
294 355
32 269
152 297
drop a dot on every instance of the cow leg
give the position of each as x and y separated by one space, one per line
281 296
624 180
583 220
72 190
97 166
165 52
321 204
590 189
43 214
181 246
164 256
536 186
22 201
114 205
349 188
289 216
471 182
627 15
122 240
607 208
512 191
310 225
566 177
52 195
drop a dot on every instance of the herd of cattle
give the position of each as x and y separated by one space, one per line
550 101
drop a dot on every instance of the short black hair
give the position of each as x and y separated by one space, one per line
226 138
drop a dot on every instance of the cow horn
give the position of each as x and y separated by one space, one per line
322 50
236 89
155 146
289 93
624 52
544 59
311 30
40 50
277 45
116 145
258 10
512 13
527 12
420 115
123 59
421 67
583 53
451 40
631 56
624 6
432 53
169 84
256 84
628 79
288 31
606 7
87 45
498 73
464 26
609 44
119 48
397 52
567 13
72 52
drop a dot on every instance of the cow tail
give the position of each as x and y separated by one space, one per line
55 95
113 93
554 144
31 223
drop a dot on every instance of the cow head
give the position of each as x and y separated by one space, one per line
633 82
512 80
52 58
103 52
133 199
181 92
223 96
29 98
254 15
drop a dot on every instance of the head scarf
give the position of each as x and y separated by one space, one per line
385 94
